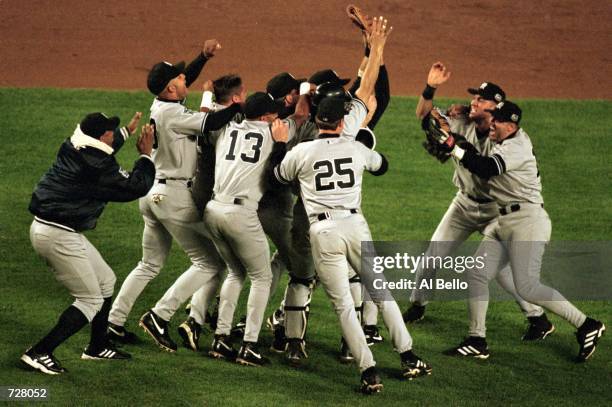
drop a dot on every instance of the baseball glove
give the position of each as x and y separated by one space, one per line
359 18
436 126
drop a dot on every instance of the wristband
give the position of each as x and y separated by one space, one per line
207 99
458 152
304 88
428 93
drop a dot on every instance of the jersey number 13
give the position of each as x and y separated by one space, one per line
255 147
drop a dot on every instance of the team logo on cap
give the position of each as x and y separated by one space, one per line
514 117
484 85
498 97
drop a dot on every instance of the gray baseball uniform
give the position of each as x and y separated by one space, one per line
169 212
473 209
242 151
330 171
518 236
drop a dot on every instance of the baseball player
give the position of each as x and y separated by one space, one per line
242 152
67 201
227 90
472 209
169 211
329 170
519 234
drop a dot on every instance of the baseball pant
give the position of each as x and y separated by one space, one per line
464 217
241 241
334 241
76 264
519 239
169 212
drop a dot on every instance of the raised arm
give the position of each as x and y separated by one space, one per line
380 33
438 74
193 70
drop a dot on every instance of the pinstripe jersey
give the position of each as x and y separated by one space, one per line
330 172
175 146
469 183
241 155
519 180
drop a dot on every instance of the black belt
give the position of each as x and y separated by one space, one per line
327 215
237 201
188 182
480 200
513 208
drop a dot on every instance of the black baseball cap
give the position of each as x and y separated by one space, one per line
96 124
259 104
331 109
282 84
506 112
161 74
327 75
489 91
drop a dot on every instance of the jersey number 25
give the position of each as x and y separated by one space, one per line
326 169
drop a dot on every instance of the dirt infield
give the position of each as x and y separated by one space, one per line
556 49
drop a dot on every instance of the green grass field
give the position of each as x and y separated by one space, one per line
573 144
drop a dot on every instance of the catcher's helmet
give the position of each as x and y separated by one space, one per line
329 89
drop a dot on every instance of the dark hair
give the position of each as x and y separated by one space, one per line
327 126
226 86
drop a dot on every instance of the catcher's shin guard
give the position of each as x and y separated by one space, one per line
297 307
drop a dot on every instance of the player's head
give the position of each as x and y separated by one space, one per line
327 75
506 117
284 88
100 126
261 106
229 89
329 89
485 97
330 115
168 81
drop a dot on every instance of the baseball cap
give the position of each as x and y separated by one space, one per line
282 84
489 91
161 74
327 75
331 109
96 124
506 112
260 103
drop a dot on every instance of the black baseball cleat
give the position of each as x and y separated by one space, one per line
222 348
117 333
238 330
473 346
539 328
279 343
43 362
413 366
250 356
372 335
414 314
190 332
158 329
345 353
588 335
296 352
109 352
370 381
275 319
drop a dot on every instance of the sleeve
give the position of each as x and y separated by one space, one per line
383 95
510 155
193 70
287 170
375 163
121 134
117 185
217 120
189 122
354 118
484 167
292 128
279 150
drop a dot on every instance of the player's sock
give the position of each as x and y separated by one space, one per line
99 326
70 322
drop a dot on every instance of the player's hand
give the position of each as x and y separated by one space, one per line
280 131
380 32
144 145
208 86
210 47
438 74
133 124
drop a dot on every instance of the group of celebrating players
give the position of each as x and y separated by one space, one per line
222 180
